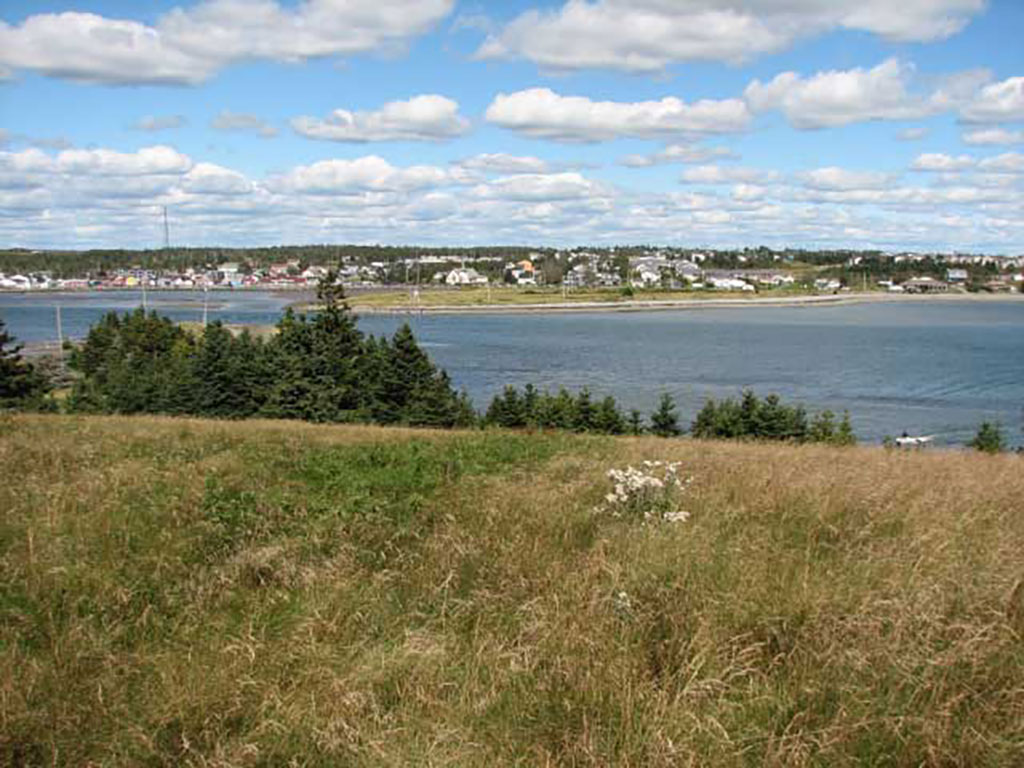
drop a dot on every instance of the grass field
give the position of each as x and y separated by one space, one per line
179 592
505 296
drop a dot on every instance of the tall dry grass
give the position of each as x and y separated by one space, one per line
179 592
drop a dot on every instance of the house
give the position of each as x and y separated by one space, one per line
521 273
465 276
956 275
925 284
827 284
646 276
688 271
729 284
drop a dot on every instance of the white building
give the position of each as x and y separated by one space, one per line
465 276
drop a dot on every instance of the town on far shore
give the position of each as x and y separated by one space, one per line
747 270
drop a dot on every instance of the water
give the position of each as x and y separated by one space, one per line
926 368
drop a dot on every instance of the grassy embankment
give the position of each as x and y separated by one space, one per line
178 592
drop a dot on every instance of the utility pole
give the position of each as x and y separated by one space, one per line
60 340
206 293
167 231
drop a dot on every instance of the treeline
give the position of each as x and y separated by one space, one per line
750 417
317 368
96 263
769 418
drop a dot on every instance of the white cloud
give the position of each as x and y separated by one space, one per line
542 113
646 36
154 123
107 198
239 122
207 178
912 134
993 136
716 174
1009 162
149 161
942 163
423 118
840 97
502 163
997 103
541 187
365 174
677 153
840 179
188 45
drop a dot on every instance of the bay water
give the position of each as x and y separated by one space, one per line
932 368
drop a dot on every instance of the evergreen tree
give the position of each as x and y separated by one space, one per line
21 385
844 433
583 412
665 420
636 422
988 439
823 428
608 419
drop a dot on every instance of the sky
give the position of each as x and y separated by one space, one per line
696 123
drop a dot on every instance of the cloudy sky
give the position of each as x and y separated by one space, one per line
852 123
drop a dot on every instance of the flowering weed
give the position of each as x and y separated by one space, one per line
650 493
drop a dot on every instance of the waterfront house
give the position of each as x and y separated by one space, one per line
956 276
925 284
465 276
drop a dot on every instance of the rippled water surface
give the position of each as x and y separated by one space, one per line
925 368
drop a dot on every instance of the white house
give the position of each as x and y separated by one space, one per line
465 276
729 284
956 275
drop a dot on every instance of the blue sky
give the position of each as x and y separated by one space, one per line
837 123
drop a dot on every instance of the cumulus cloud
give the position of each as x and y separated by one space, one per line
210 179
839 179
423 118
716 174
365 174
103 197
993 136
148 161
841 97
502 163
1009 162
942 163
996 103
240 122
542 113
155 123
677 153
541 187
912 134
189 44
646 36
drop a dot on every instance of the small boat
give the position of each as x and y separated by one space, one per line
914 442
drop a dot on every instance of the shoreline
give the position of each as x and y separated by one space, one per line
656 305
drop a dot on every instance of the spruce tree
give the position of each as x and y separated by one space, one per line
665 420
608 419
988 439
636 422
21 384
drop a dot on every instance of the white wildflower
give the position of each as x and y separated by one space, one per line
648 494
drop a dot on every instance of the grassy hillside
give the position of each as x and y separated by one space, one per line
179 592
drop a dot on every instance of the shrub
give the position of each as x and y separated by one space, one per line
988 439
